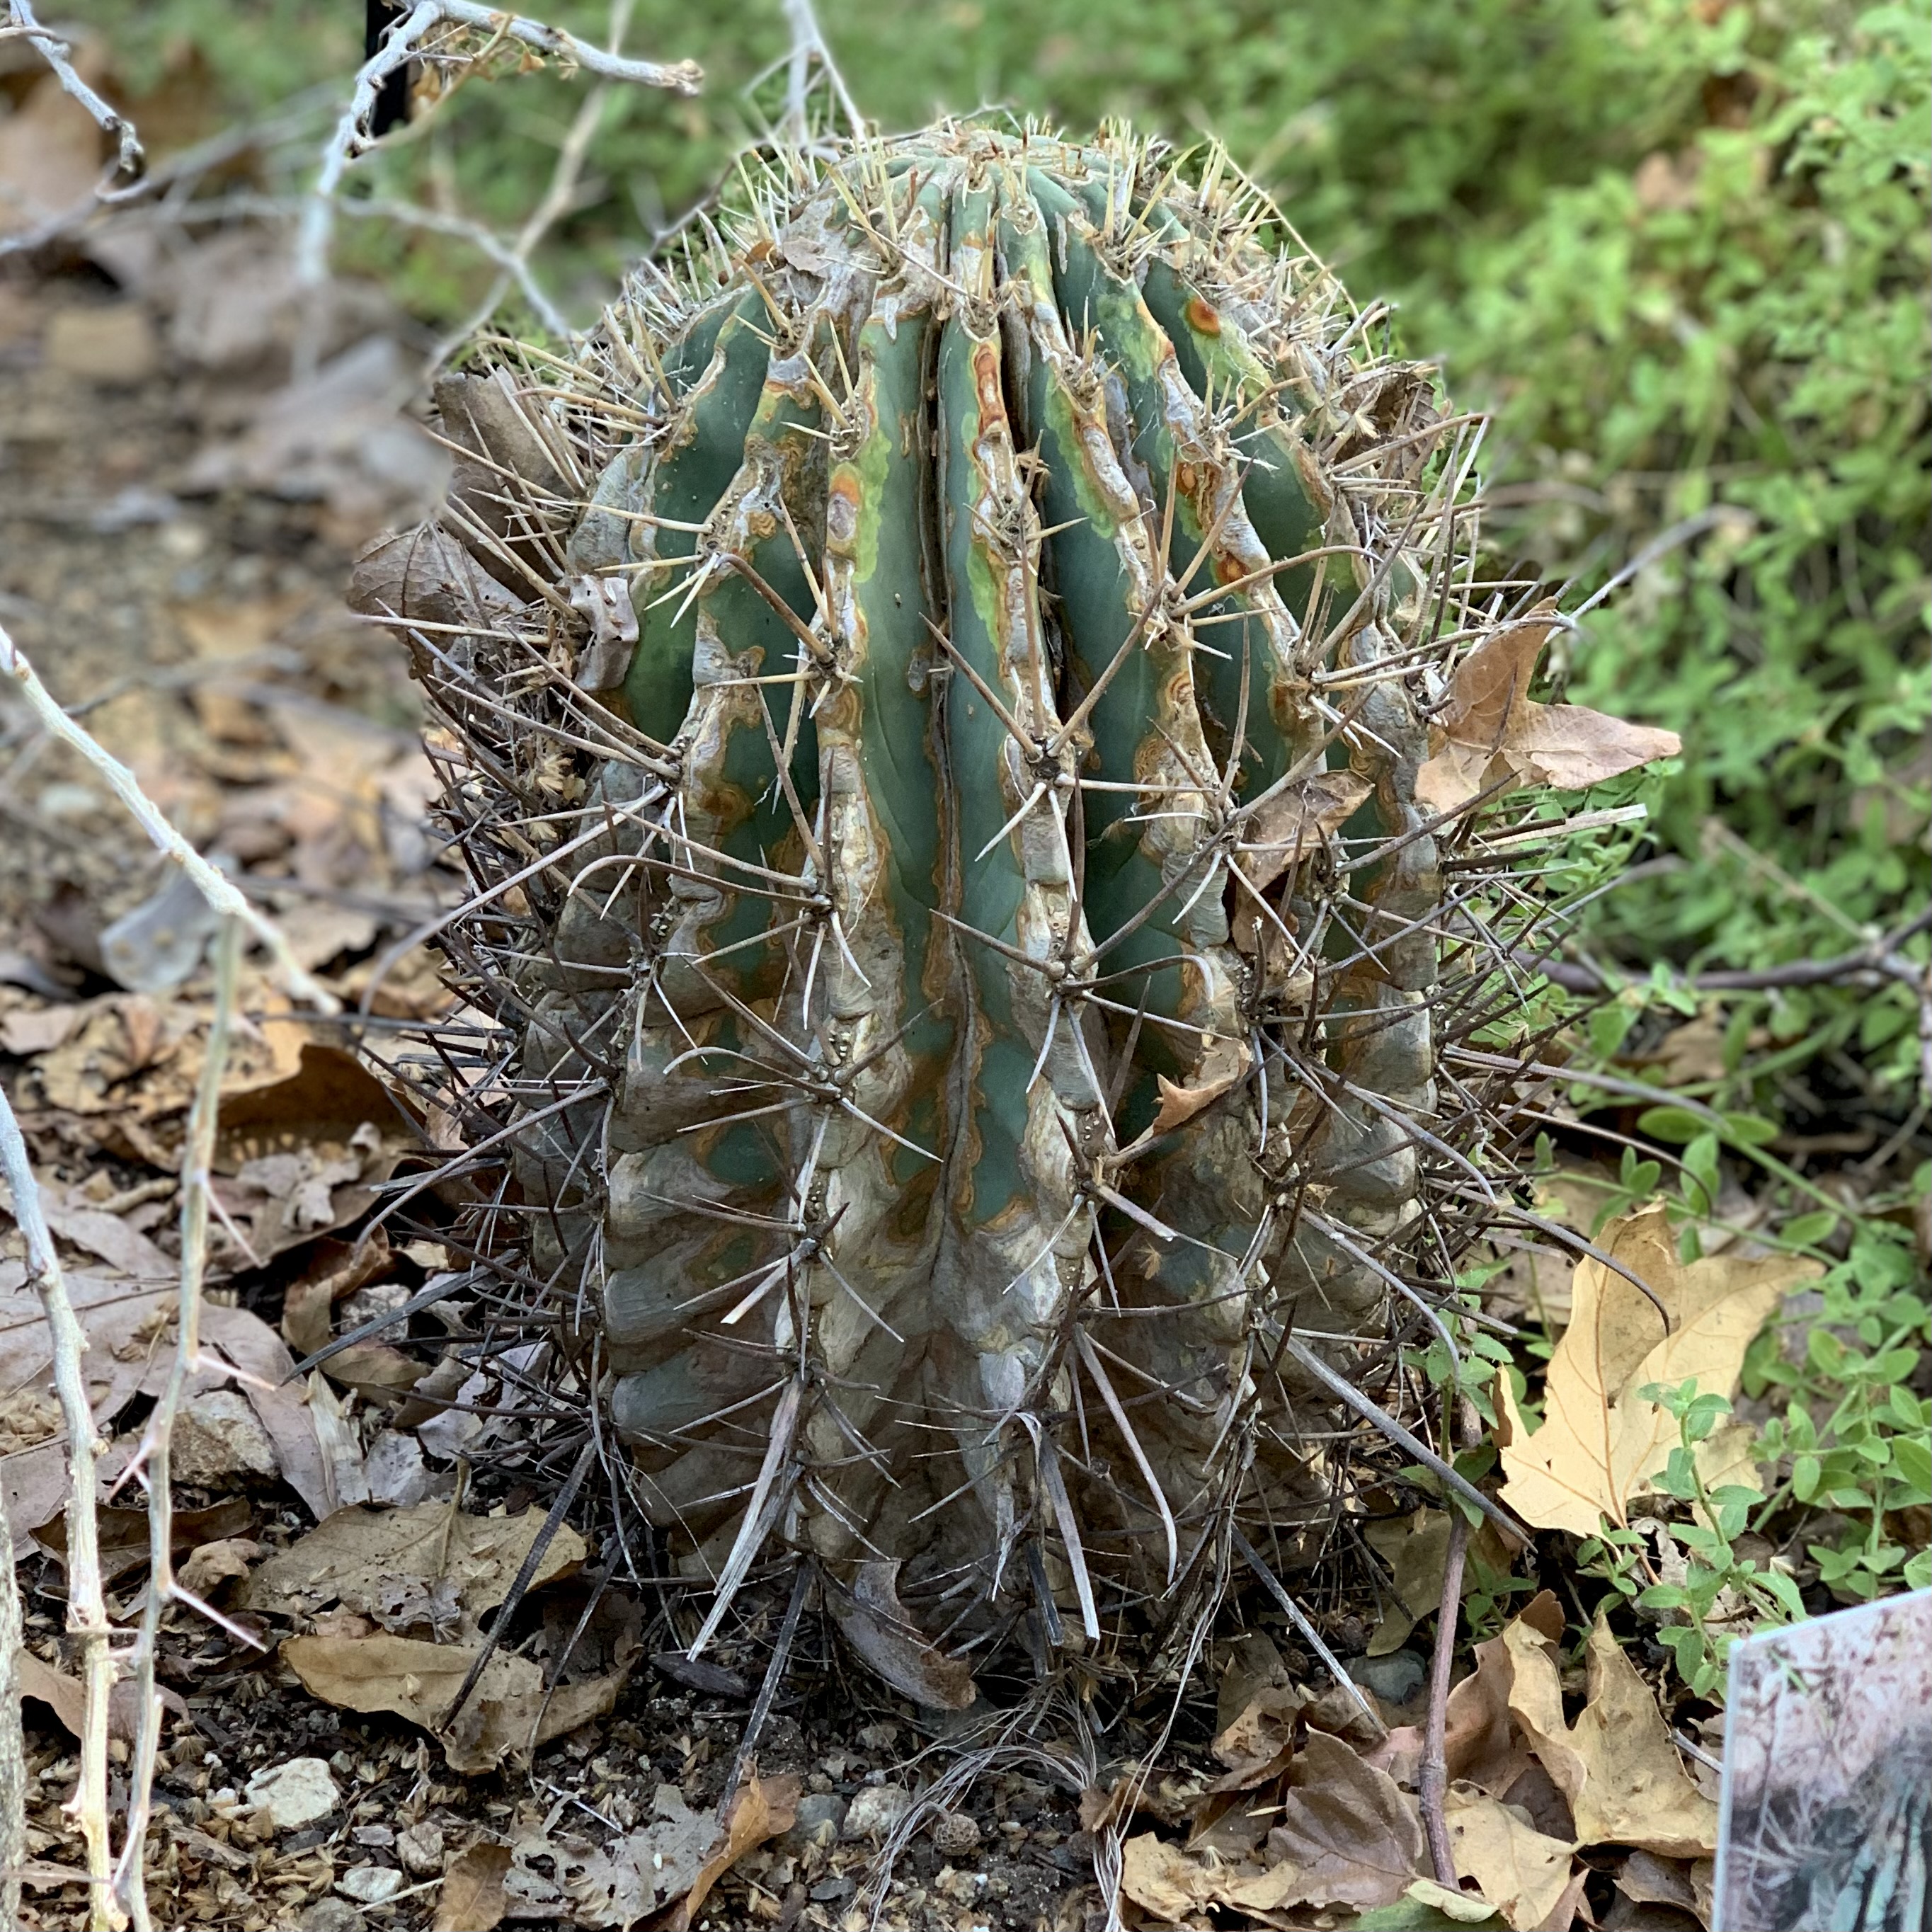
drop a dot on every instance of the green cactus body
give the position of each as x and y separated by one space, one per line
970 1130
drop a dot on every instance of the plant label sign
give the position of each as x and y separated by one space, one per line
1827 1802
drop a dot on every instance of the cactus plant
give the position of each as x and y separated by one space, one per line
935 687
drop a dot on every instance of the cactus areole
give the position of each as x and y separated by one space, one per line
935 685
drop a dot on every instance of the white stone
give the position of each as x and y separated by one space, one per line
420 1848
370 1885
218 1436
299 1793
876 1810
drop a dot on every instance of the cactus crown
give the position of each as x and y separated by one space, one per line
939 713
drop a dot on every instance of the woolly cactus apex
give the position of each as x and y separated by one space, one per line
941 680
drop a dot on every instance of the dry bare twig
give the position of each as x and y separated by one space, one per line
129 161
151 1463
808 47
513 258
403 43
13 1746
1433 1784
87 1606
219 891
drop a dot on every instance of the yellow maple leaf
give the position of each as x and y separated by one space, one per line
1601 1442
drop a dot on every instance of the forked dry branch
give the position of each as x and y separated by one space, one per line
455 37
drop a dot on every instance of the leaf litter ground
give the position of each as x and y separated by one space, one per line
318 1779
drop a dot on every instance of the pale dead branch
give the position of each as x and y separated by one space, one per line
129 162
808 50
352 137
153 1460
13 1746
87 1607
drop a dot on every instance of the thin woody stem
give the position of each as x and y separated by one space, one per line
87 1606
156 1451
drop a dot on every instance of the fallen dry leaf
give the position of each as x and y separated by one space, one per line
1294 821
763 1808
419 1681
1490 729
109 1237
128 1346
1482 1744
50 150
66 1697
357 1555
60 1693
618 1884
1344 1833
1251 1664
873 1621
1349 1833
256 1351
472 1899
337 1269
1416 1548
24 1033
1258 1745
124 1536
1162 1879
1223 1067
1647 1879
1618 1767
1282 832
1601 1443
1521 1873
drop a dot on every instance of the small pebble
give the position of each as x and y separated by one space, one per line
292 1795
819 1816
875 1809
370 1885
1395 1678
420 1848
331 1915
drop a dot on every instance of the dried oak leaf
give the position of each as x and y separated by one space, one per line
1520 1871
472 1898
1345 1834
1617 1766
1258 1743
1601 1442
357 1556
1350 1834
509 1709
873 1621
1491 729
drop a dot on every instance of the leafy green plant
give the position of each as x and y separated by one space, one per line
1716 1578
1854 1445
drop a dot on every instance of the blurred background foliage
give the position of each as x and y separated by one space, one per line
1681 247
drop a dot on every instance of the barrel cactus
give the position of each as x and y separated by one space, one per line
935 687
